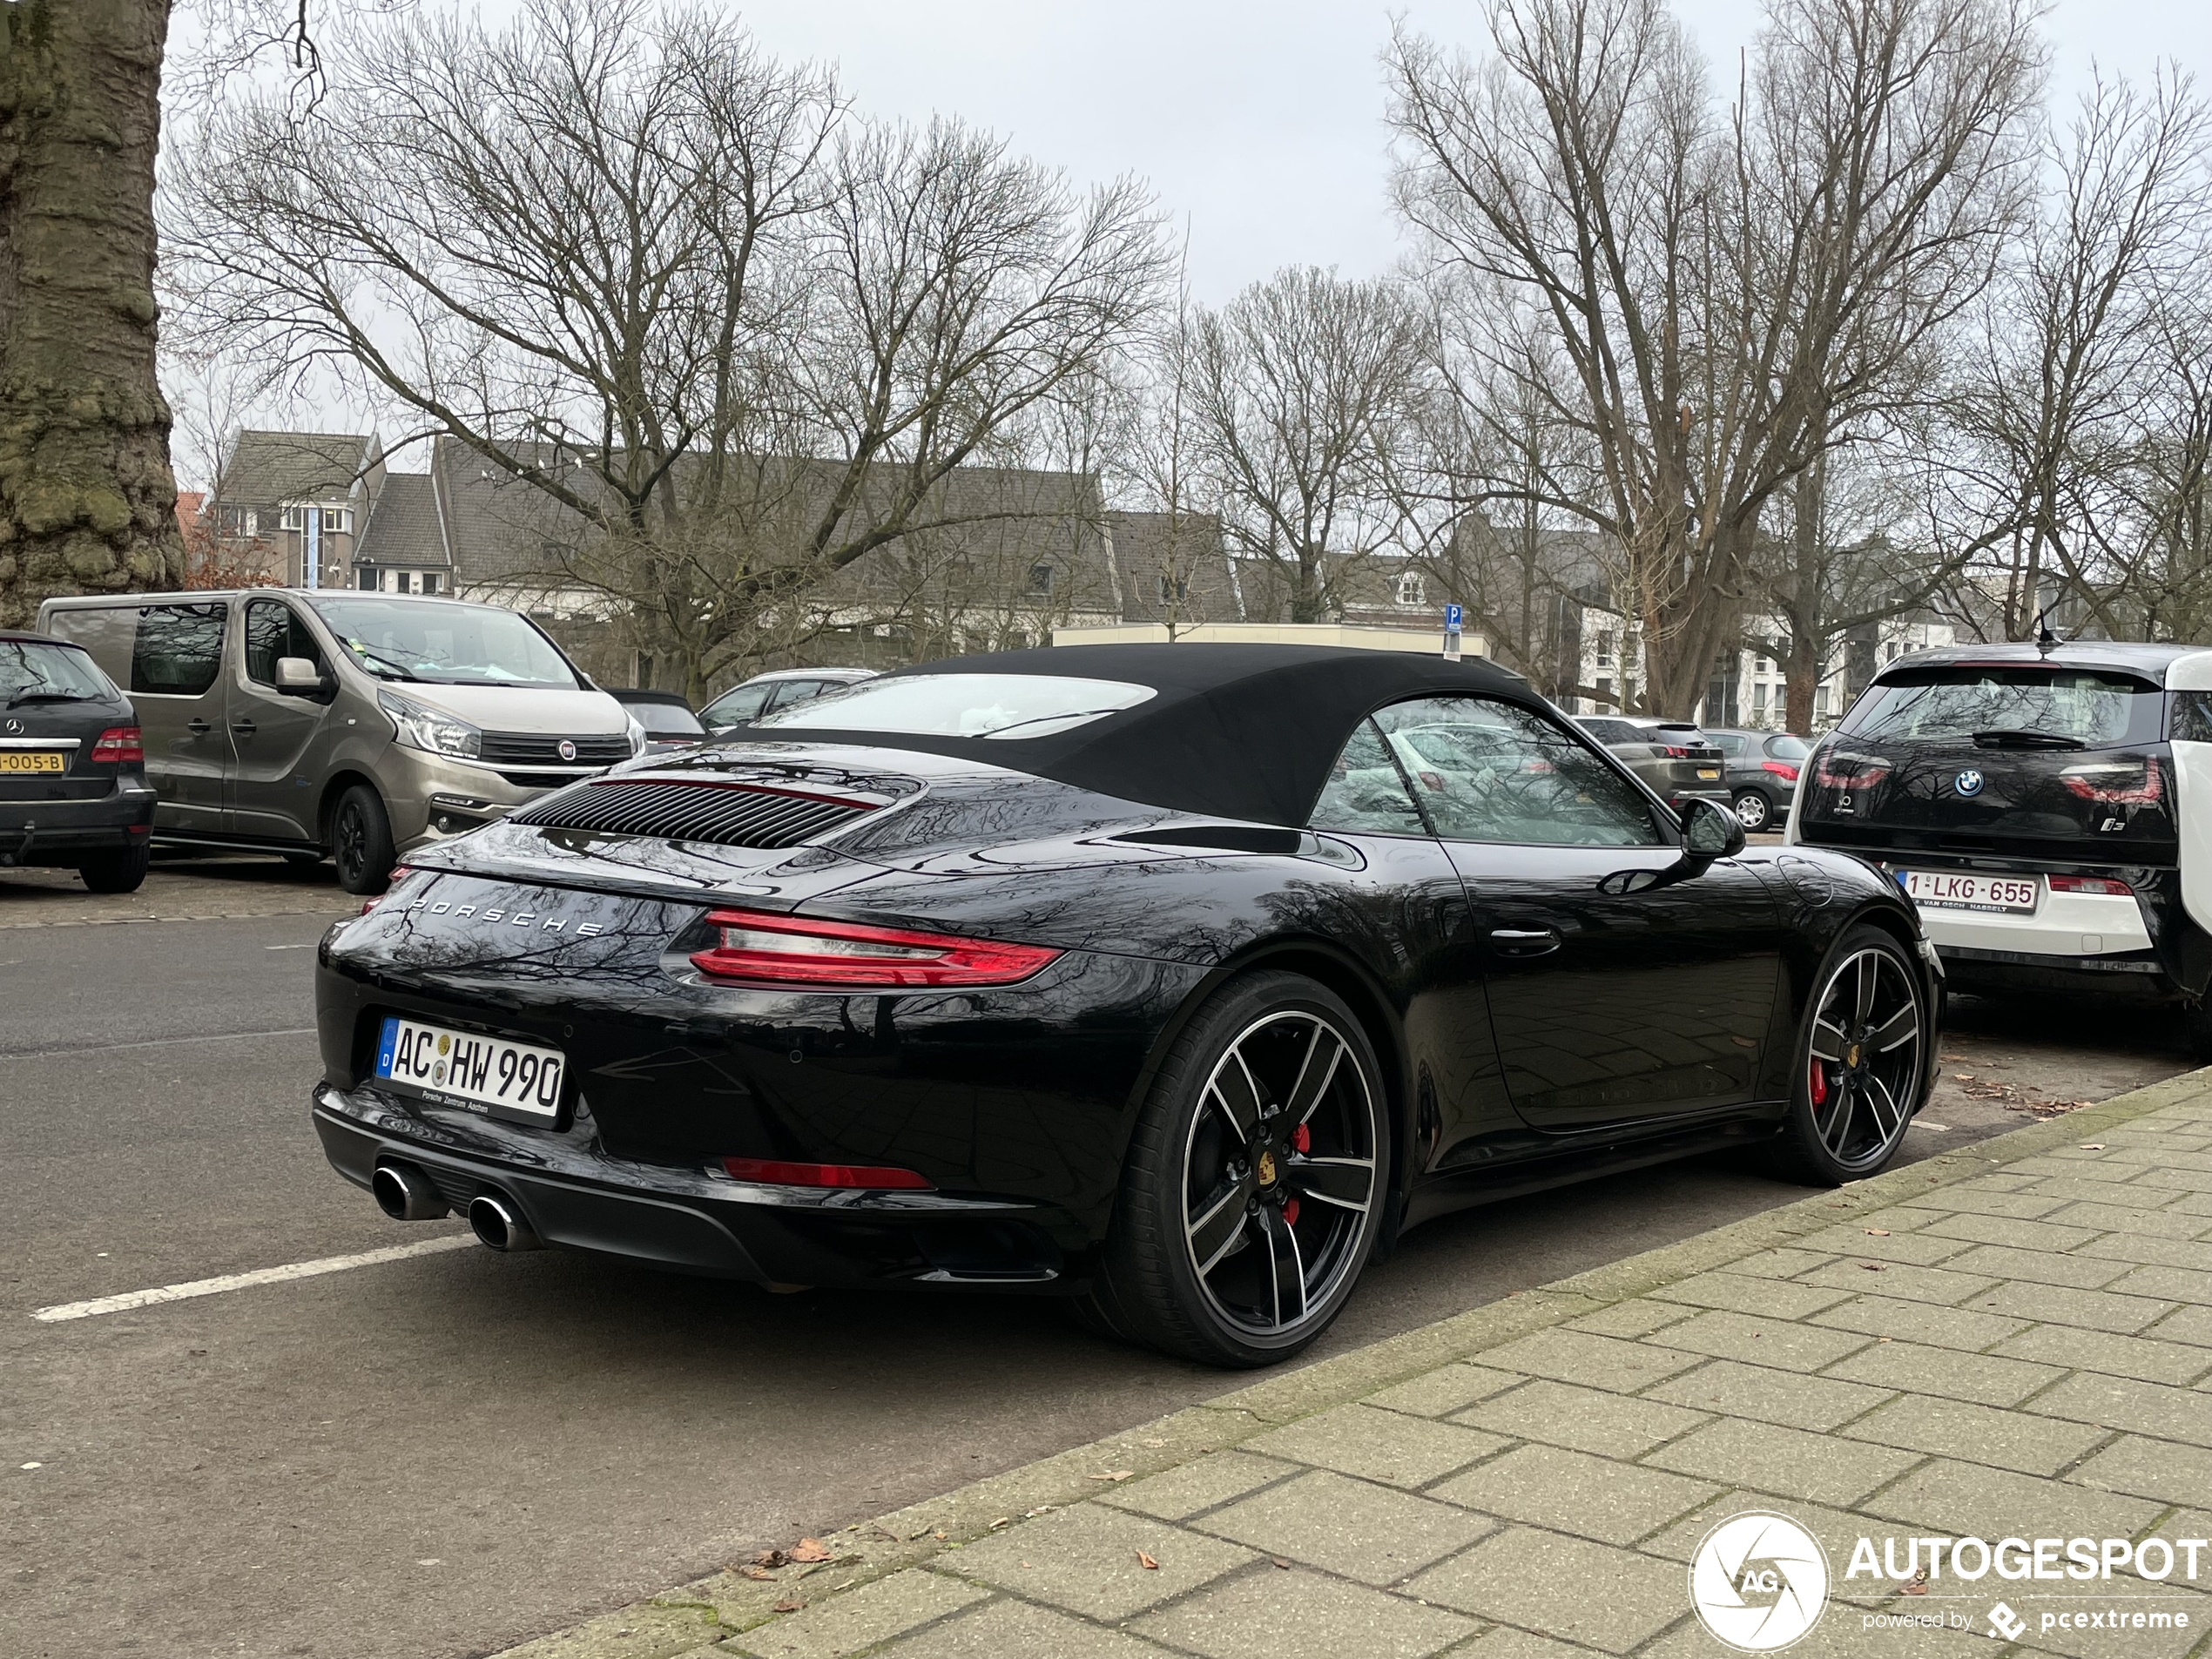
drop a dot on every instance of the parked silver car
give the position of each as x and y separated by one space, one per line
349 725
1677 759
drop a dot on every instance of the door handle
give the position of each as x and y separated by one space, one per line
244 727
1525 941
198 727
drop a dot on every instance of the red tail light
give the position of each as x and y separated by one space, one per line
775 1172
1674 751
2116 783
1781 769
1851 771
120 744
400 872
793 950
2101 885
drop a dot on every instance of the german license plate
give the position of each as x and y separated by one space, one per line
2018 895
32 760
496 1072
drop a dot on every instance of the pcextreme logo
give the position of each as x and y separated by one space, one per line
1759 1581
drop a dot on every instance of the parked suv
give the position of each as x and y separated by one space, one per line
1678 761
335 724
2050 810
1760 769
73 788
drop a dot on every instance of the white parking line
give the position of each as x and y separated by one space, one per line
152 1043
191 1288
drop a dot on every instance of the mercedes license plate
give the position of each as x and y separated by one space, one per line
496 1072
32 760
2017 894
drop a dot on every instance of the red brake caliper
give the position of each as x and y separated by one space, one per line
1301 1142
1817 1085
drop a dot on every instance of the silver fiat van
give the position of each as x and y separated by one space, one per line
333 723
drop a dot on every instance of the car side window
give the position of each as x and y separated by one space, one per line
1729 744
786 692
1608 730
177 649
1492 771
1365 792
736 708
275 630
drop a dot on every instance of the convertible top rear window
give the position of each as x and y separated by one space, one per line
964 705
2090 707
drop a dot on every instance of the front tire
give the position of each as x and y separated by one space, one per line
361 841
1861 1059
122 871
1753 810
1253 1189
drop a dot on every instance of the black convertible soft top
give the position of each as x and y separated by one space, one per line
1246 732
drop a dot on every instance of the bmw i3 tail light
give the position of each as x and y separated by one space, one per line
767 949
118 745
776 1172
2115 783
2102 886
1843 771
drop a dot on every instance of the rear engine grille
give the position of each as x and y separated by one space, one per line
726 814
526 749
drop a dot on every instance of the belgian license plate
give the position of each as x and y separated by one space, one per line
2018 895
511 1076
32 760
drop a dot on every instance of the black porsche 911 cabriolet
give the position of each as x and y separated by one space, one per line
1179 978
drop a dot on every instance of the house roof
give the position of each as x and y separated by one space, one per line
403 528
1149 547
266 469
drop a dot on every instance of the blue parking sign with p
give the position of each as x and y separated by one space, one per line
1452 614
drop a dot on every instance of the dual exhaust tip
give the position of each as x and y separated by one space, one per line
405 1192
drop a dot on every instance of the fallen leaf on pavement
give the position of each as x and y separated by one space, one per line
941 1537
789 1606
1147 1562
2092 1146
751 1571
1115 1474
772 1558
810 1549
1041 1509
1002 1522
1878 1232
1873 1267
1280 1562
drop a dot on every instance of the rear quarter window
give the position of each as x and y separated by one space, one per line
2193 717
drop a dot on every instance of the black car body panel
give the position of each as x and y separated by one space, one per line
94 805
1016 1102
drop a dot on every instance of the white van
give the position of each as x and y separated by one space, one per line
332 724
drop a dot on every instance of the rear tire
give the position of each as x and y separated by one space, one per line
361 841
1254 1186
1860 1060
1753 810
2196 1031
123 872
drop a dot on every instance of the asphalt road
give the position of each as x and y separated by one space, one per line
442 1456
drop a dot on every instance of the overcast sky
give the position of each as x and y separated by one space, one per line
1262 123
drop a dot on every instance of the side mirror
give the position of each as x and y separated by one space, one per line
1710 831
298 676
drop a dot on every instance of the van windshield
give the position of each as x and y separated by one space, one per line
2008 703
444 643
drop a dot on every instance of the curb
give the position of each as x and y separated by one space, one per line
691 1618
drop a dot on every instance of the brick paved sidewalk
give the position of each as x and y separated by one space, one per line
2012 1340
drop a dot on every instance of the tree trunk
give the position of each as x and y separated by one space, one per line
87 500
1800 676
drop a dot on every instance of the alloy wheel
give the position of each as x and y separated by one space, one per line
351 836
1752 811
1279 1174
1865 1057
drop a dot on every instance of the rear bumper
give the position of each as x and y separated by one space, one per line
689 1220
61 832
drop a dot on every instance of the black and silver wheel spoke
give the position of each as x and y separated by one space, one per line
1278 1174
1829 1043
1900 1028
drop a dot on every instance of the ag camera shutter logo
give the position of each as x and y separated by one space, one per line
1759 1581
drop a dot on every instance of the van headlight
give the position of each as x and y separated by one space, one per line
429 730
637 733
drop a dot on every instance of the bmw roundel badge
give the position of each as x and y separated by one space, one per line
568 753
1968 782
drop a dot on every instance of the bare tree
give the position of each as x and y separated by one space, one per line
727 340
2068 357
1715 292
1303 385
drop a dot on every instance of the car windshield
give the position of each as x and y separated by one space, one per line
34 670
964 705
666 721
445 643
2004 701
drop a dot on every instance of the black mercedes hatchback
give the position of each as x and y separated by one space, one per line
73 789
